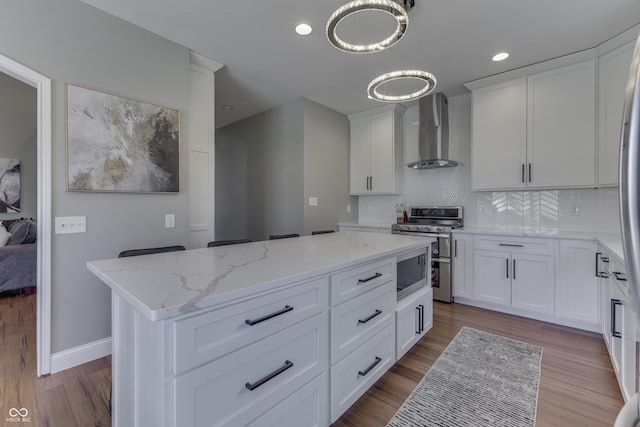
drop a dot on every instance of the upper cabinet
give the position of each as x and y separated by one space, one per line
613 72
376 151
536 132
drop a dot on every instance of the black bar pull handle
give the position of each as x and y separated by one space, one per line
421 317
614 304
287 364
286 309
511 245
530 175
523 172
604 275
377 313
507 264
513 273
370 367
598 260
619 276
375 276
418 321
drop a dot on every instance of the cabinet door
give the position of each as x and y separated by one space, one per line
462 265
382 155
616 329
578 285
561 127
414 317
533 283
499 135
613 72
492 277
359 160
605 310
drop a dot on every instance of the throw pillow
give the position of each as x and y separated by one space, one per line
21 232
4 235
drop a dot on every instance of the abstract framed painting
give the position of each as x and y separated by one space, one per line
118 144
9 186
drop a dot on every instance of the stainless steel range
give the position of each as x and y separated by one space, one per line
435 222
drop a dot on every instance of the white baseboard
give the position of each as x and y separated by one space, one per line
78 355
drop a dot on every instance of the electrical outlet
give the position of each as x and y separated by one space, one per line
348 208
70 224
575 210
170 221
313 201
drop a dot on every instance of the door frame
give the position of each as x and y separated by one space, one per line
42 85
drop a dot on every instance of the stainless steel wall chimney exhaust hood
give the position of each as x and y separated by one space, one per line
433 138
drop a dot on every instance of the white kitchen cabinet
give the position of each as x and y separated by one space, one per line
462 265
561 139
537 132
376 151
622 332
613 72
499 129
491 279
414 318
515 272
577 290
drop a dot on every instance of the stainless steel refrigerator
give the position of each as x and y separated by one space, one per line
630 210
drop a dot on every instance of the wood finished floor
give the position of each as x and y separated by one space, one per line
577 385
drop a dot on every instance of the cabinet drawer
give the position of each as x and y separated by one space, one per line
203 338
359 319
219 392
307 407
358 280
357 372
530 245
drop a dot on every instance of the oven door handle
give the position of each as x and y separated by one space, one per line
427 235
441 260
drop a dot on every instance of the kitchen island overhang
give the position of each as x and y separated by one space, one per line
189 327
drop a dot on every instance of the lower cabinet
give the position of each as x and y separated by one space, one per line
517 280
619 327
234 388
462 265
577 290
357 372
414 318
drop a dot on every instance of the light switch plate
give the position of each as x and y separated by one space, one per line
313 201
70 224
170 221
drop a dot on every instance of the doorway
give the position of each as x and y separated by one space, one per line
42 85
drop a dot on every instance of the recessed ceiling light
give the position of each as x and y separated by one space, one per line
228 107
303 29
500 56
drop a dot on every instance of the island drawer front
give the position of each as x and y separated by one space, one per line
355 281
307 407
372 359
358 320
202 338
529 245
218 393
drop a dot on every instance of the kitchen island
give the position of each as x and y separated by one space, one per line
241 335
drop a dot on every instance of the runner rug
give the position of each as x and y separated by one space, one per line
480 379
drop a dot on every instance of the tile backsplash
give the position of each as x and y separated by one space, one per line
595 210
541 211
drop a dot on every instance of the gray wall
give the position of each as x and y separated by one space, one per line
18 124
273 162
326 168
69 41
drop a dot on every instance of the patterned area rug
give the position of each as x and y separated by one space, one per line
480 379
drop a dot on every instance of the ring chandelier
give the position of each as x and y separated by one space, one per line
389 6
428 79
398 9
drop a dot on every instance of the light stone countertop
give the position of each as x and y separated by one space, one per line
611 241
165 285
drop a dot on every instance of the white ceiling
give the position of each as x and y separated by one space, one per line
267 64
